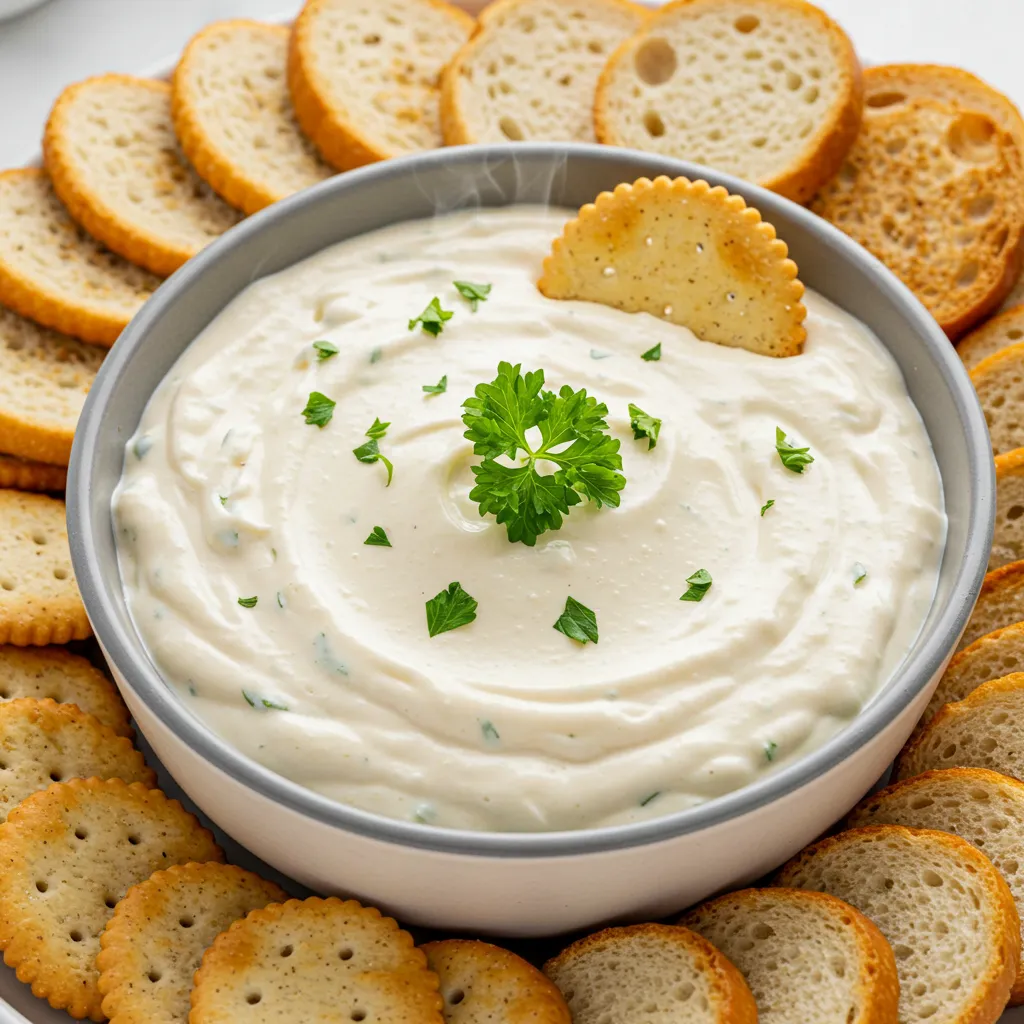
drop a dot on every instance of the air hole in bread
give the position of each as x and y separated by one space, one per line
762 931
154 976
793 81
971 137
1014 333
286 951
371 40
812 94
41 886
345 954
980 207
886 99
655 61
253 998
654 124
109 902
7 584
81 833
968 274
510 129
358 1014
1002 237
1009 867
753 55
38 538
932 878
901 952
75 935
60 574
527 25
746 23
185 922
919 803
456 997
595 46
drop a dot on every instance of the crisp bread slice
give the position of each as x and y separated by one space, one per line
484 984
315 960
67 856
39 599
56 674
42 742
44 380
111 152
234 119
153 944
52 272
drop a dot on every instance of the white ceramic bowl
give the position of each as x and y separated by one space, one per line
520 884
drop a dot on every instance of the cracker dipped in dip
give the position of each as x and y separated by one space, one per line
315 566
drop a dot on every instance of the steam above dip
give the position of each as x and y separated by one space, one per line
331 678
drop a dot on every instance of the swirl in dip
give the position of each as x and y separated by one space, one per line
506 724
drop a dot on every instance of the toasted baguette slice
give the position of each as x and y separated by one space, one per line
656 973
984 730
1008 541
769 90
110 149
54 273
999 381
365 75
993 656
44 380
24 475
1000 603
806 956
992 336
234 119
983 807
937 194
890 85
945 909
489 95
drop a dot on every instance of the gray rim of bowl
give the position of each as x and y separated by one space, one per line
128 653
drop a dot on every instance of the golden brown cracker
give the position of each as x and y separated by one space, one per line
67 855
39 599
153 944
57 674
688 253
484 984
42 742
317 959
22 475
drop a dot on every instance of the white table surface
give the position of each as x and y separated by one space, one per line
65 40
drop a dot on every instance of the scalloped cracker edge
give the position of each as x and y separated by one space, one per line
687 253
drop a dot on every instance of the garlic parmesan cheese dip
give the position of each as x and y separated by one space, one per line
284 587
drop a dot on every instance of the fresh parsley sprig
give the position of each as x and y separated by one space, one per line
577 622
474 294
369 452
450 609
792 458
767 505
652 355
699 585
439 388
248 602
433 318
498 416
644 426
263 702
324 350
319 410
378 538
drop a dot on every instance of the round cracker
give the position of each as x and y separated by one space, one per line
687 253
484 984
316 959
39 599
42 742
67 856
66 678
152 946
23 475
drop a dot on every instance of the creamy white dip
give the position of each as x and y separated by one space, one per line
506 724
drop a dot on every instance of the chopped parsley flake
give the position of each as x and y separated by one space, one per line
223 499
319 410
767 505
280 599
263 702
860 573
577 622
700 584
474 294
490 733
652 355
498 417
770 749
792 458
248 602
598 354
369 452
433 318
324 350
450 609
644 426
375 355
378 538
141 446
439 388
651 796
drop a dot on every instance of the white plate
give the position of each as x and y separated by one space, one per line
19 1006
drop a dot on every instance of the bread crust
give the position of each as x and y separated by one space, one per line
988 1004
129 239
454 125
736 1004
341 144
52 307
23 475
1008 320
877 981
824 151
